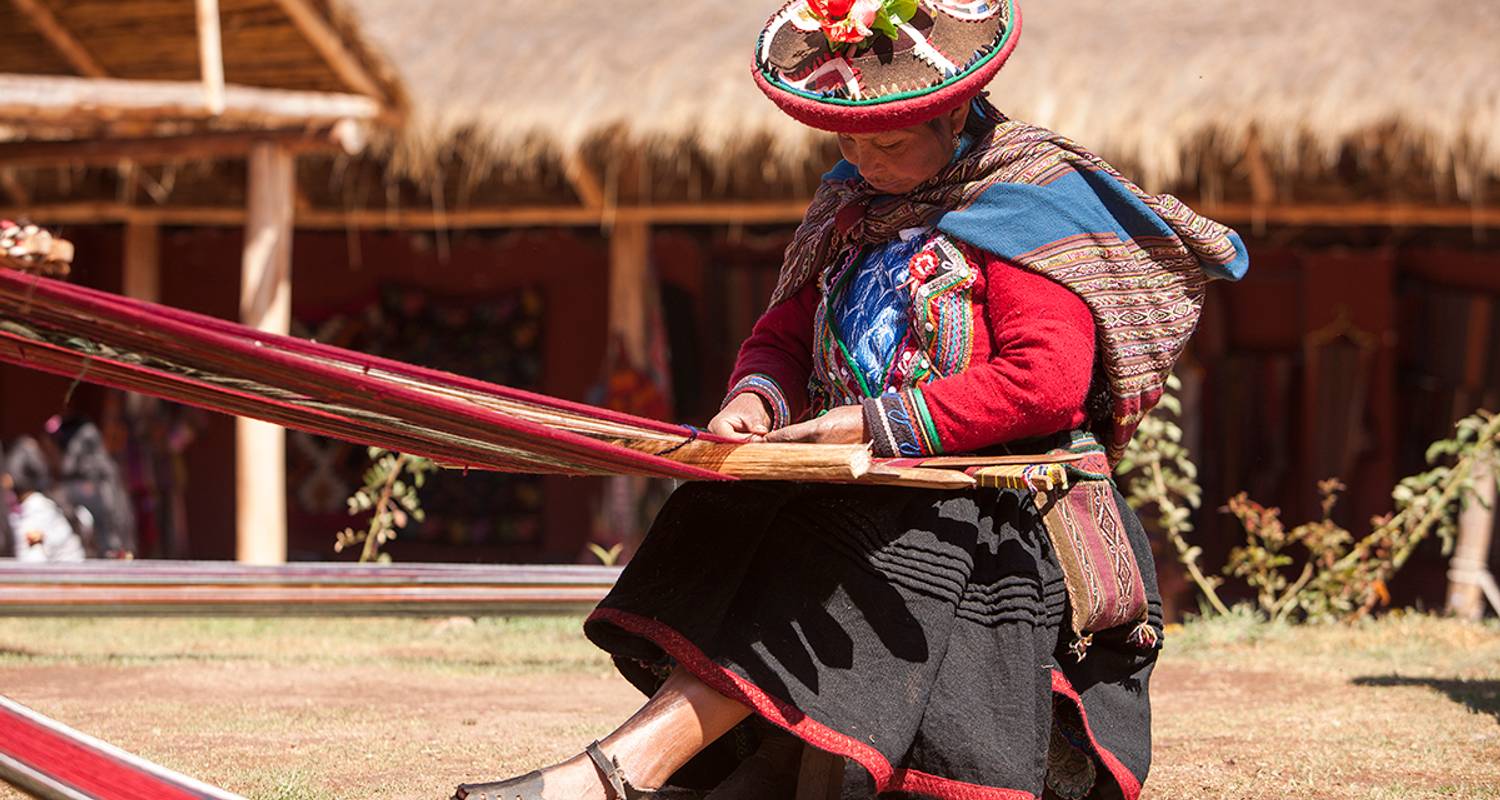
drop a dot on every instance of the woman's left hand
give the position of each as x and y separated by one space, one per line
844 425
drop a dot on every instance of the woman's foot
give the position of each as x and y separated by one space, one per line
673 726
585 776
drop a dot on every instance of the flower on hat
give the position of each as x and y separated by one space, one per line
855 22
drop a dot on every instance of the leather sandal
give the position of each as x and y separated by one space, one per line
530 785
526 787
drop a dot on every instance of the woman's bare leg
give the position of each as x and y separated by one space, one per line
682 718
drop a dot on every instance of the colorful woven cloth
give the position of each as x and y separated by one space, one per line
1038 200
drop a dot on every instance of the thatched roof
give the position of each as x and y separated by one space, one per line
1161 86
264 44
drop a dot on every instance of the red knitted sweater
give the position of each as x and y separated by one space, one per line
1029 374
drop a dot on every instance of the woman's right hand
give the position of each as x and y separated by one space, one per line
744 419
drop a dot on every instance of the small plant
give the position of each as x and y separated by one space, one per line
389 498
1162 479
1346 578
609 557
1318 570
1269 550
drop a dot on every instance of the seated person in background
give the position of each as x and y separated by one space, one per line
41 530
89 481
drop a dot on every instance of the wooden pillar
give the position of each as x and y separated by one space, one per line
629 273
1470 581
211 56
265 304
142 278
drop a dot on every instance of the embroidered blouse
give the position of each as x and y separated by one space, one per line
954 351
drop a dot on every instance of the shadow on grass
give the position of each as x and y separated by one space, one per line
1481 696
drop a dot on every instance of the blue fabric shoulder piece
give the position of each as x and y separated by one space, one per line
1012 220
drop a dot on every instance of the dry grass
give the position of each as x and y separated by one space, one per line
1408 707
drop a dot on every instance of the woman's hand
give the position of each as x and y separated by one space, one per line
844 425
744 419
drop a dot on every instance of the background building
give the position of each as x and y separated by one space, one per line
591 199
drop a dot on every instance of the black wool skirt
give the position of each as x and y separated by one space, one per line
920 634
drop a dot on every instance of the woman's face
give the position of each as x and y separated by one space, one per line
895 162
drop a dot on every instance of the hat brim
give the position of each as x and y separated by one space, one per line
894 113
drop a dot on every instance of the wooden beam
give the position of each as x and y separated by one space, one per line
211 56
265 304
767 213
52 29
1393 215
47 101
203 588
584 181
142 271
333 48
164 149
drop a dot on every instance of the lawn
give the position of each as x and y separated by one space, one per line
1407 707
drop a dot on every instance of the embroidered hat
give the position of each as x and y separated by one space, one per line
863 66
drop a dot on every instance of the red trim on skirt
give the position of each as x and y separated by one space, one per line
1124 778
787 716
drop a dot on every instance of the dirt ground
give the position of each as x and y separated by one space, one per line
314 710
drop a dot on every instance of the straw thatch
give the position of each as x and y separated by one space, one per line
1162 86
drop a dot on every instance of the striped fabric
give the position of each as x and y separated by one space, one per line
766 388
900 426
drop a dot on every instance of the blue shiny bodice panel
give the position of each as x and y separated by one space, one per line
872 310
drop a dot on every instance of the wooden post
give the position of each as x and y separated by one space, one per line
1469 580
629 259
142 278
211 55
265 304
821 775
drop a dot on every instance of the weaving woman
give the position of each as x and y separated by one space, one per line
962 283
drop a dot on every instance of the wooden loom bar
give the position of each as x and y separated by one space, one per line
52 29
47 759
332 47
50 99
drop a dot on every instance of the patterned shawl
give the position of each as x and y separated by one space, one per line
1039 201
